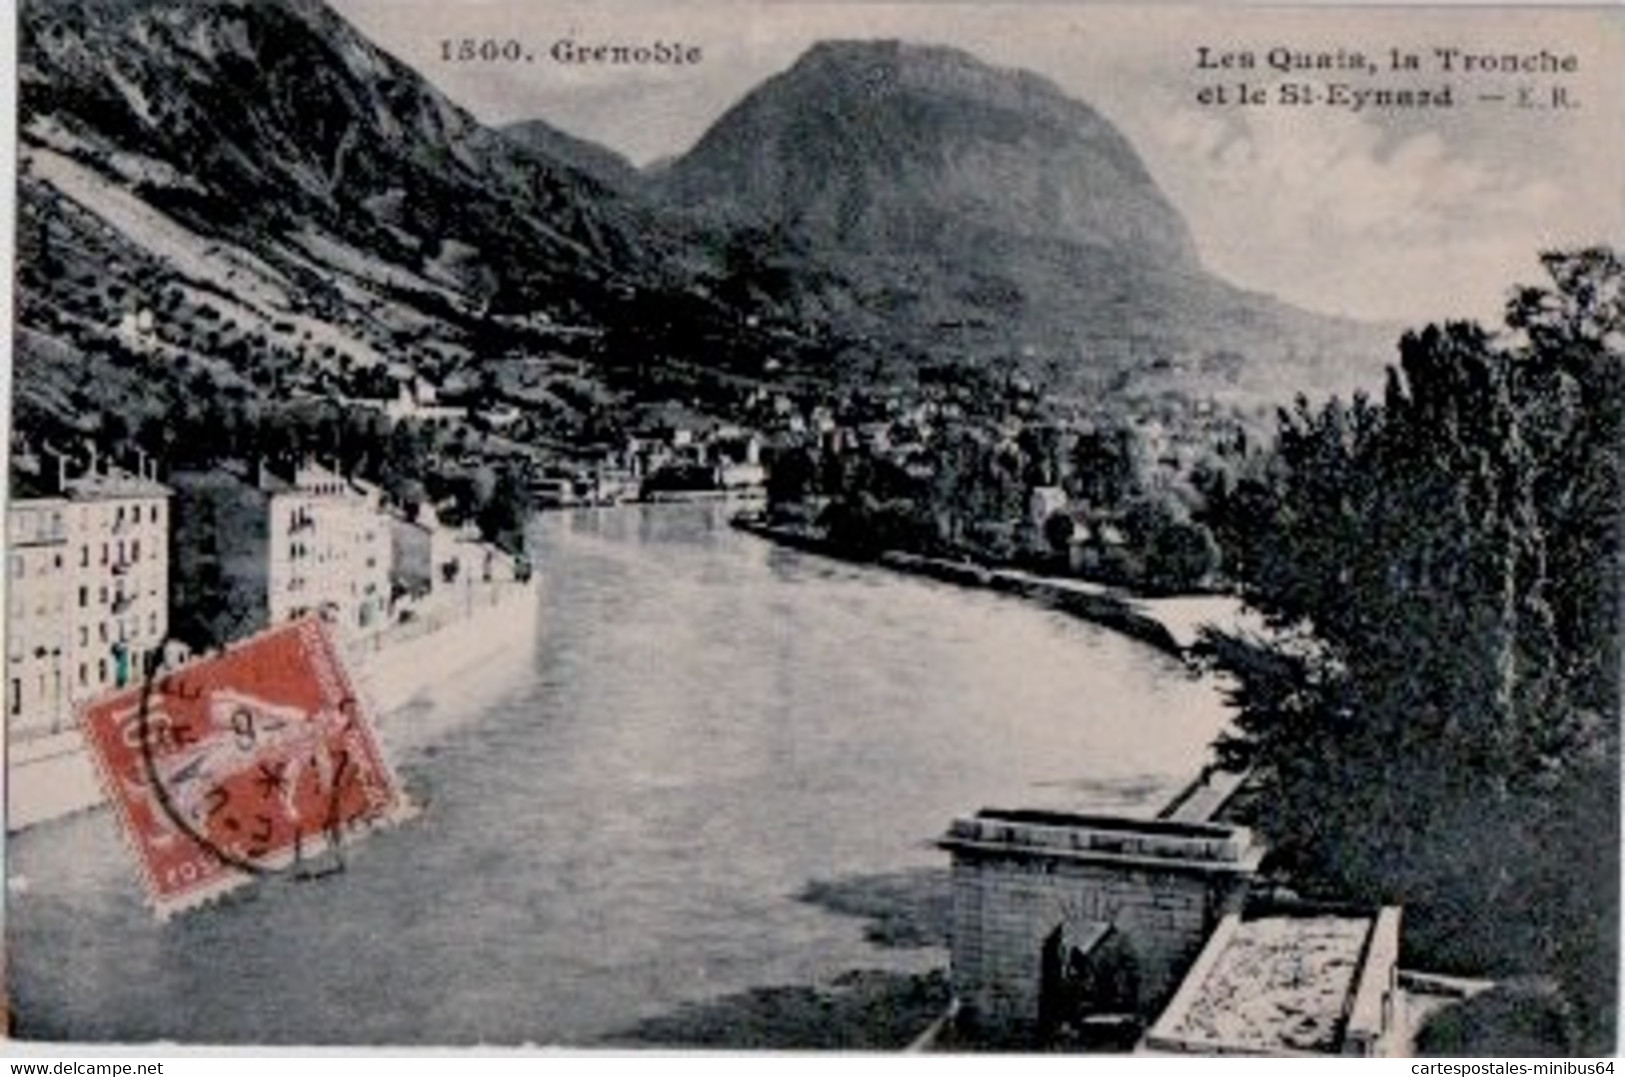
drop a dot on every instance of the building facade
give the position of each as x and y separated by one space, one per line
36 616
257 548
88 593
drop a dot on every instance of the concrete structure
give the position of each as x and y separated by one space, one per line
261 548
88 593
1035 892
1292 980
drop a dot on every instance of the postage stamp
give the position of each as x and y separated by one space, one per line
258 761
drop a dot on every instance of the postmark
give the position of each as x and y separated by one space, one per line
255 762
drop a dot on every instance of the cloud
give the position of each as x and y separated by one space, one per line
1333 210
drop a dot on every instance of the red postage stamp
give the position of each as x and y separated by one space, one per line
257 761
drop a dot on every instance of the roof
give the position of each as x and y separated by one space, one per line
30 486
1158 844
1281 983
114 484
308 479
314 478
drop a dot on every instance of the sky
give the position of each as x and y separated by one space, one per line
1395 214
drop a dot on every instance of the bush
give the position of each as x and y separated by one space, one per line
1519 1019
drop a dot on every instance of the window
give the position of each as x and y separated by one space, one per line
135 550
84 557
101 671
104 553
56 561
16 695
101 631
84 636
84 596
84 674
102 595
152 624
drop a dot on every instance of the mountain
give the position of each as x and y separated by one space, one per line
601 163
881 146
955 208
257 199
266 160
277 114
246 200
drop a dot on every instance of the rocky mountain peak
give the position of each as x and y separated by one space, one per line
872 144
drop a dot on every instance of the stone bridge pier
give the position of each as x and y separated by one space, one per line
1035 890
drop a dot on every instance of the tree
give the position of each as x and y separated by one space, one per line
1181 557
505 509
1109 464
792 476
1436 721
1059 528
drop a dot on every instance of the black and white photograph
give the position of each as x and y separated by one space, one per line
937 527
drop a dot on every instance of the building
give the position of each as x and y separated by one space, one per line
422 552
88 591
1115 932
37 632
1044 502
256 548
1035 892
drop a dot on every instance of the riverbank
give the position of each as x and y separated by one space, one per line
860 1009
750 494
1171 625
52 776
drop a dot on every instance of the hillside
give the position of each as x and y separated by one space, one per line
601 163
257 192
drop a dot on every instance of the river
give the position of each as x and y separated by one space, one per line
624 821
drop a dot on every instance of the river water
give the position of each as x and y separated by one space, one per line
621 821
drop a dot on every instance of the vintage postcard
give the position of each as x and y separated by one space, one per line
929 526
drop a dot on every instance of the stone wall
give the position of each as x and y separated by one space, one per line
1017 876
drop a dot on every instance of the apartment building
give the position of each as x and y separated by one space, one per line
257 547
88 591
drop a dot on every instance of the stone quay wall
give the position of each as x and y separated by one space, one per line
1018 876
